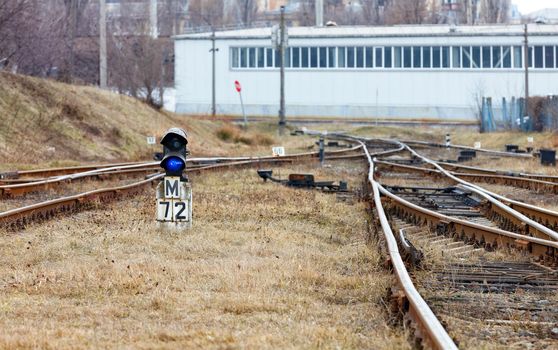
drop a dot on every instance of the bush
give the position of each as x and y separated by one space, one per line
228 133
231 133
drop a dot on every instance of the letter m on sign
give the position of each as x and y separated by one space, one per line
172 187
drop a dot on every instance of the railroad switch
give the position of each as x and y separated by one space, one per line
304 181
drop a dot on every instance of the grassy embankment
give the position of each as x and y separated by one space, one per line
45 123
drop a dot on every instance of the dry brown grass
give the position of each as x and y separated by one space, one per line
45 123
263 267
232 133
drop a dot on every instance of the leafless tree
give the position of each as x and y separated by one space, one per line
12 20
495 11
207 13
172 16
138 66
372 12
247 11
74 10
407 12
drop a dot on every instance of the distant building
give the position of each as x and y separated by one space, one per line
544 16
433 72
131 17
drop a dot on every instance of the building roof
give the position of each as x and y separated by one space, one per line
548 14
380 31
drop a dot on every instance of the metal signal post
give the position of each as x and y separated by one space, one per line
174 193
238 88
282 29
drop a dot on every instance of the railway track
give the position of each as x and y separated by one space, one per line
19 217
542 216
454 222
416 224
16 184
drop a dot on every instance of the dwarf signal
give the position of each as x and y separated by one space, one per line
174 193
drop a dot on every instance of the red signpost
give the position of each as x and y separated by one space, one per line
238 88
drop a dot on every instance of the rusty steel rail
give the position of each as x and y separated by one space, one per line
428 324
492 178
541 249
48 172
39 211
49 208
130 169
483 150
477 170
504 206
532 219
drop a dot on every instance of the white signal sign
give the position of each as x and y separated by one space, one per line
530 139
477 145
172 187
151 140
174 202
172 210
278 151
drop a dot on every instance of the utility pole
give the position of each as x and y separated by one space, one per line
153 19
213 50
103 44
282 121
319 4
526 70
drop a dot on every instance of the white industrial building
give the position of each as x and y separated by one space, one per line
419 72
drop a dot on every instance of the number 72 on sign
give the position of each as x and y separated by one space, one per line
172 210
174 205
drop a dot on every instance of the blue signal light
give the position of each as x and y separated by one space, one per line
174 164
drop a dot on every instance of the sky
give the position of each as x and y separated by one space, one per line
527 6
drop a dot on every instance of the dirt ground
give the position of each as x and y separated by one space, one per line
263 267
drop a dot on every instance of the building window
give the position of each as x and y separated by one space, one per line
350 57
323 57
466 56
496 57
305 57
436 53
295 52
278 58
398 57
476 58
387 57
234 55
506 57
416 57
486 57
539 57
517 57
360 57
313 57
549 56
341 57
407 57
244 57
261 57
331 57
369 57
445 57
252 57
456 56
426 57
379 58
